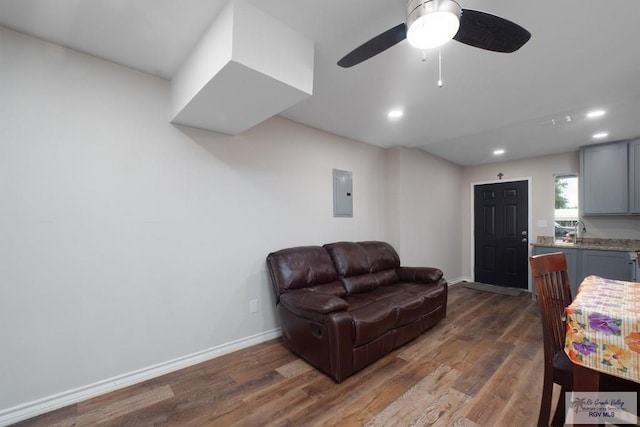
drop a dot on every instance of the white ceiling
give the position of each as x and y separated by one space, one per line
583 54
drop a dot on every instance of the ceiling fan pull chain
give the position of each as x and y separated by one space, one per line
424 55
439 68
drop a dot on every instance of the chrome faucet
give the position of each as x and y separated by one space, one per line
577 234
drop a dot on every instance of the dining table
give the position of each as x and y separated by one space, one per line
603 332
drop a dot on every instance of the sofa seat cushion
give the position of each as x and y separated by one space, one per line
356 303
409 307
372 320
386 308
380 293
334 288
426 290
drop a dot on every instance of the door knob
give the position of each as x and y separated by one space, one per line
524 239
524 233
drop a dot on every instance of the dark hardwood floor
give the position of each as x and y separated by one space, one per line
481 366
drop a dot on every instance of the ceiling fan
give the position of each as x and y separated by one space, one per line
431 23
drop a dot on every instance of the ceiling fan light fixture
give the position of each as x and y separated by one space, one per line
595 113
432 23
395 114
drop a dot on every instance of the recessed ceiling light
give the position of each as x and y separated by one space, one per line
600 135
395 114
498 152
595 113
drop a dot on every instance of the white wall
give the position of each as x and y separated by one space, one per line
542 171
424 216
127 242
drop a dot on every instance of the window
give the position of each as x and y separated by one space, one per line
566 206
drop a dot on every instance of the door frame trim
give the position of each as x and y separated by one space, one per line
473 225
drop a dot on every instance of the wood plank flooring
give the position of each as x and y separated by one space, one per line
481 366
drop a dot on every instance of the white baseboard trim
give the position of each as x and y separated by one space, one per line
458 280
60 400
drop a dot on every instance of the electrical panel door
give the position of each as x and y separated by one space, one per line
342 193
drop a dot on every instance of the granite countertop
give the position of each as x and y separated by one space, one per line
623 245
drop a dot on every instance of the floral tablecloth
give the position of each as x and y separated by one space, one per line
603 327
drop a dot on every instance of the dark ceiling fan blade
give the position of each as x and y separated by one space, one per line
374 46
490 32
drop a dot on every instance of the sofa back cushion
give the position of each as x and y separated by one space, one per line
364 266
383 261
352 265
349 258
386 277
302 267
381 256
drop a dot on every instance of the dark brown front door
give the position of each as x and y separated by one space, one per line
501 233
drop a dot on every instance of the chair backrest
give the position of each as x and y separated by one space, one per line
554 294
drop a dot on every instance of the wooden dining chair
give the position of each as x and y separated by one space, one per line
554 294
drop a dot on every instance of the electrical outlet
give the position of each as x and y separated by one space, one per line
253 306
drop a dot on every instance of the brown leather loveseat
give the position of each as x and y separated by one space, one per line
344 305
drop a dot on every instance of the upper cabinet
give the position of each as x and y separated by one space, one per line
610 178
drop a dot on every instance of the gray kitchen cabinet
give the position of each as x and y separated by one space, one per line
604 180
584 262
572 264
608 264
634 176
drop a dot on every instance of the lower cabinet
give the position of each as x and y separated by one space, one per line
584 262
572 264
609 264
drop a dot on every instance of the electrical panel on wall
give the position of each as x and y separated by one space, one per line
342 193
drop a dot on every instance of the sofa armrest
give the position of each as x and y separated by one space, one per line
301 302
419 274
